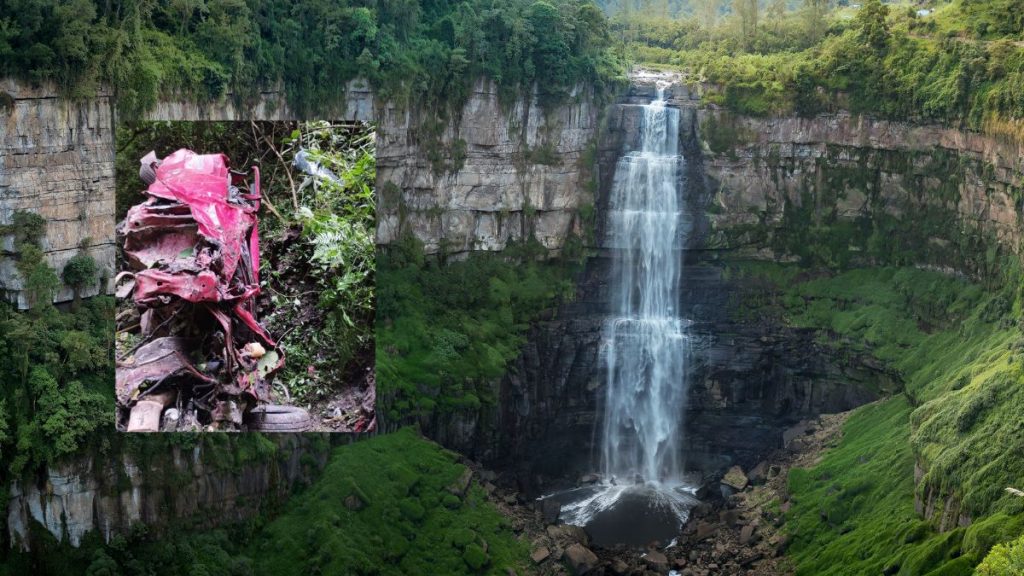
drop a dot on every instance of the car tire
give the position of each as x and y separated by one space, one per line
274 418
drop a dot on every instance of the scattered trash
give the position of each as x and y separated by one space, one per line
313 168
202 359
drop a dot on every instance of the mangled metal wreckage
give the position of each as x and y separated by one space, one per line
199 358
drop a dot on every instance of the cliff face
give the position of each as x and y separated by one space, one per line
57 159
205 484
750 379
490 173
945 194
494 172
863 192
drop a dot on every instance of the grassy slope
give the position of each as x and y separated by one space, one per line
410 523
958 354
445 332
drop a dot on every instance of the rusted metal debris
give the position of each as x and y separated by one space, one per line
203 359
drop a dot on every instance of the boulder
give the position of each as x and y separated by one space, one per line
540 554
567 533
656 560
747 534
758 474
353 502
580 559
729 517
735 478
705 530
550 510
460 485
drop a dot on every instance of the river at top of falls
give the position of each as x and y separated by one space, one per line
642 495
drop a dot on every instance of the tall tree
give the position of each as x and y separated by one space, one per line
776 12
707 12
749 14
871 22
814 17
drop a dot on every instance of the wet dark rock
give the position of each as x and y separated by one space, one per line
793 432
550 510
619 568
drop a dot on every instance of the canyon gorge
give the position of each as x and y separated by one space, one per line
495 172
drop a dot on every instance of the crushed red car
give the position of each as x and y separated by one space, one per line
202 359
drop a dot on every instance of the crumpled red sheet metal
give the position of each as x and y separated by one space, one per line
154 362
195 238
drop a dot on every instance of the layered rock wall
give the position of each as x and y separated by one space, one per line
57 159
750 379
201 484
483 175
945 195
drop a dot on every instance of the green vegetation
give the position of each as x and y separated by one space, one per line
80 273
446 331
955 345
961 65
382 506
203 50
320 267
1004 560
56 368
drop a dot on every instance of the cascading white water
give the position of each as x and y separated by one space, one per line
645 342
645 347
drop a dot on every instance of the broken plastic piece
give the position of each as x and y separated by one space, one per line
306 164
145 415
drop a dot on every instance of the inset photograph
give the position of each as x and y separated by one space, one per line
246 276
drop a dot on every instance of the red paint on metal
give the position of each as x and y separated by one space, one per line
196 238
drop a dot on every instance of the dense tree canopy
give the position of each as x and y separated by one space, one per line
202 49
959 63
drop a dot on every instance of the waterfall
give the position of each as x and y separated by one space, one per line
645 342
643 495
